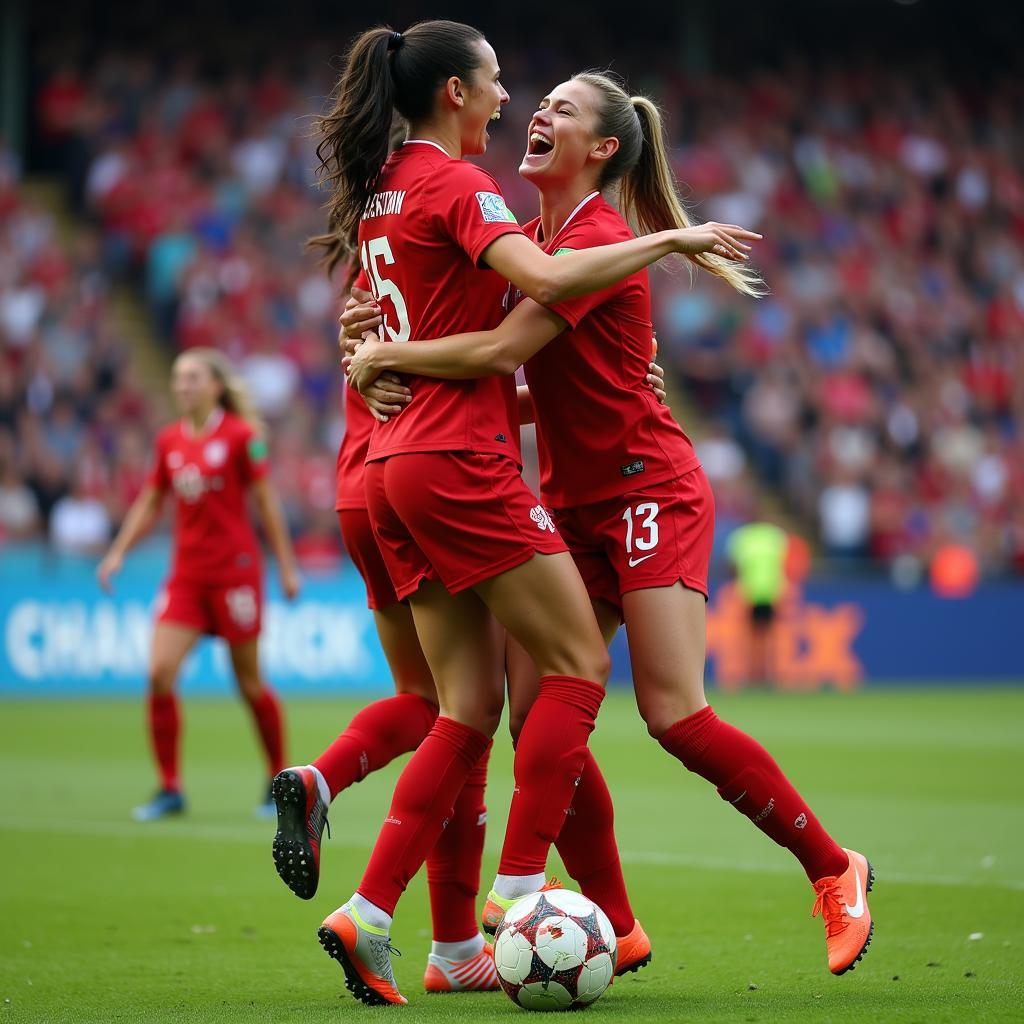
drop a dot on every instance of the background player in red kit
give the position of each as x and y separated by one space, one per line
209 459
636 511
461 534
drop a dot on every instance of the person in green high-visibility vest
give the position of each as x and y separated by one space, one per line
758 554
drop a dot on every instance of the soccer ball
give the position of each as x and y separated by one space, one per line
555 950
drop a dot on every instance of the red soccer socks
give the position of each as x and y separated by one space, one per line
550 757
424 798
374 738
588 849
747 777
269 719
165 735
453 865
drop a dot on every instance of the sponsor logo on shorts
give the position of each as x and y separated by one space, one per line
632 468
643 558
801 821
539 514
242 606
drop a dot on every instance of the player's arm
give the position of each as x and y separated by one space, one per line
268 507
137 523
551 279
523 333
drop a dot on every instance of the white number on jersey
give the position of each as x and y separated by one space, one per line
372 251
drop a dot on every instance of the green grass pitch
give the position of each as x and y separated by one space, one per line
105 920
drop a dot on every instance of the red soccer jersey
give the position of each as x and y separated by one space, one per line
209 474
359 423
420 243
606 433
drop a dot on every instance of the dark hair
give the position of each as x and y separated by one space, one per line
385 73
648 196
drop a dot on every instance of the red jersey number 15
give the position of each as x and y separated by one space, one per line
372 252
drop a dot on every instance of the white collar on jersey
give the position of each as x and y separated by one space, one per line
583 202
427 142
213 421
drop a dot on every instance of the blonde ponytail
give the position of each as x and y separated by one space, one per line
234 395
648 195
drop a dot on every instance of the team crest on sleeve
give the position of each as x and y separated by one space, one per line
493 208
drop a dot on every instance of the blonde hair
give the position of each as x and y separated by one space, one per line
234 395
648 195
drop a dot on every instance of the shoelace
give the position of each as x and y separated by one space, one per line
382 952
830 904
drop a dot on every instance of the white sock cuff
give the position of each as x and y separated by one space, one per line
511 887
458 950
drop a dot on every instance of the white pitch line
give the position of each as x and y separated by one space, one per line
182 830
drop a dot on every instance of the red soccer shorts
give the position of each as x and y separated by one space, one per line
229 610
361 545
643 539
457 517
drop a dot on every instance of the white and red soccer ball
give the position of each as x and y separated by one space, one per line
555 950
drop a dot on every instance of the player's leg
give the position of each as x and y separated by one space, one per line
586 843
666 628
463 647
171 644
544 605
262 701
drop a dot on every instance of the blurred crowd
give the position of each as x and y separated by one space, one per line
878 388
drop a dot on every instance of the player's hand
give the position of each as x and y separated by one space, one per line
291 582
362 367
362 313
726 240
107 570
381 399
656 382
656 377
387 396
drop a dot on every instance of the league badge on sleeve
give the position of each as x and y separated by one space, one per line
257 449
493 207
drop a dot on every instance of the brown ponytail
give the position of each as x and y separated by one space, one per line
386 73
648 194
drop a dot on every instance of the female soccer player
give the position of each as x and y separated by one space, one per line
624 483
461 535
210 458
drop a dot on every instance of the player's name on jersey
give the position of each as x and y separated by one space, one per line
383 204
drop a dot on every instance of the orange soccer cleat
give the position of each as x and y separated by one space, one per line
843 904
496 906
364 953
476 974
634 951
